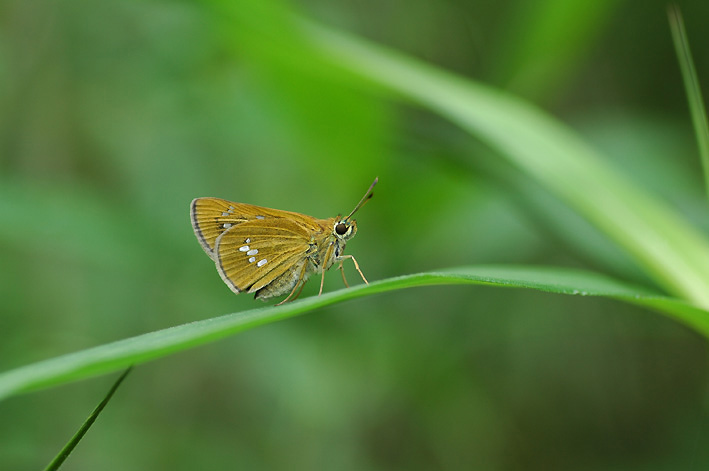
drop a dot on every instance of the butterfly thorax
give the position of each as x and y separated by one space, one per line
325 247
329 244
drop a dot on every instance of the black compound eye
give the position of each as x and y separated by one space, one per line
341 228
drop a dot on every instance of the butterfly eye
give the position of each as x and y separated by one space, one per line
341 228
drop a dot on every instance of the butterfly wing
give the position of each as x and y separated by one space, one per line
211 217
254 253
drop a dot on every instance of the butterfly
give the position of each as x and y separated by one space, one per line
270 252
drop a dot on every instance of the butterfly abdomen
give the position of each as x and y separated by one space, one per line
286 282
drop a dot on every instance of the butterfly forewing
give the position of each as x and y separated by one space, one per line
213 216
254 253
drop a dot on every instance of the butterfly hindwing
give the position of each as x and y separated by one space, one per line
252 254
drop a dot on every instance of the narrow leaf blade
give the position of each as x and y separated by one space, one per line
142 348
691 85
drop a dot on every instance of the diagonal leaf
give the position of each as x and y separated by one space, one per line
123 353
672 251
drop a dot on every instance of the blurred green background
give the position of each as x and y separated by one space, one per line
114 115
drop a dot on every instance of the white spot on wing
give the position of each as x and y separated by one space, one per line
226 225
252 259
262 262
225 214
252 252
245 248
260 217
248 241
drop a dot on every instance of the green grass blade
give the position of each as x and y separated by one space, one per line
123 353
69 447
691 85
672 251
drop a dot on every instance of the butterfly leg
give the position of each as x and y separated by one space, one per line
300 290
342 270
298 284
356 266
328 254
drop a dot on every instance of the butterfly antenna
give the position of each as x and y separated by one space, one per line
367 196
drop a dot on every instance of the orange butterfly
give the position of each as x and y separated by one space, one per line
270 252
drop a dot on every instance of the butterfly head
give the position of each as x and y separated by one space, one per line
344 229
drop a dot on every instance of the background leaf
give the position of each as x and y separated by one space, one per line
666 246
691 85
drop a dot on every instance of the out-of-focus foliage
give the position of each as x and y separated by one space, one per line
114 115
